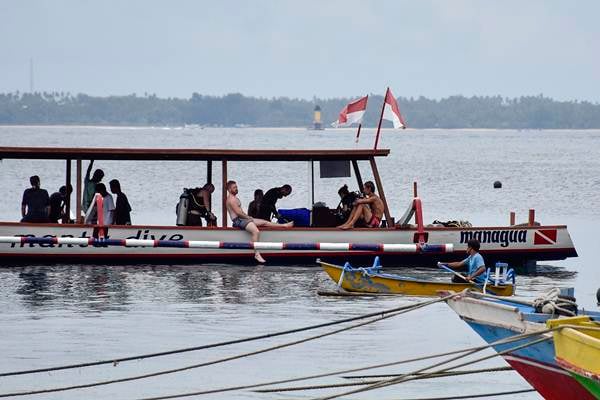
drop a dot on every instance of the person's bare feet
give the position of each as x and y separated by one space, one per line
344 227
289 224
259 258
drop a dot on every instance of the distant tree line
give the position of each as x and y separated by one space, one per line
527 112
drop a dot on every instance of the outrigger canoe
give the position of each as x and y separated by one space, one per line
371 280
578 350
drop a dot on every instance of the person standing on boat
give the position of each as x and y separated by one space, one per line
474 263
368 209
254 206
122 207
89 185
243 221
108 207
58 202
198 207
267 207
35 205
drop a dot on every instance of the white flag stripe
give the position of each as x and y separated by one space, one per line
390 115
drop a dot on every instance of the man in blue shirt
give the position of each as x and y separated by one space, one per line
474 263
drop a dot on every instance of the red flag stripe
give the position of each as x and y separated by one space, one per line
358 105
391 100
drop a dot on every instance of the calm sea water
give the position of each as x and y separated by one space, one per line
54 315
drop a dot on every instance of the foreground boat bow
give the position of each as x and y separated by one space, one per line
495 319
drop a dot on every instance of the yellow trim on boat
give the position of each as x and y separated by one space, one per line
578 346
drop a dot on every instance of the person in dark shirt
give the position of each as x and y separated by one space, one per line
58 202
347 199
254 206
122 207
267 206
199 206
35 205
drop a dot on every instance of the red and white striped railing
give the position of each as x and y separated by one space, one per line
208 244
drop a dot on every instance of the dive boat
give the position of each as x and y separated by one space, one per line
578 350
372 280
494 319
519 245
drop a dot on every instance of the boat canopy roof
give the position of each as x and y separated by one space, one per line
103 153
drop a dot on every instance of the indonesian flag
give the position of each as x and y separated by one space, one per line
391 111
352 113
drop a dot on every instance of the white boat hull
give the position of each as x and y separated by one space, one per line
511 244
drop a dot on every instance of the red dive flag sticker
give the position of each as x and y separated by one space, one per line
352 113
545 236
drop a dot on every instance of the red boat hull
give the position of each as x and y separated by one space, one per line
551 382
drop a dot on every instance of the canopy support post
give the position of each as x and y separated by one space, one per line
209 180
386 210
224 193
78 193
67 215
312 183
357 174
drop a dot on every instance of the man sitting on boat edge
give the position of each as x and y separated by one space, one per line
368 209
474 263
243 221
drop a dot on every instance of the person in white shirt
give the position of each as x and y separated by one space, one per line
108 207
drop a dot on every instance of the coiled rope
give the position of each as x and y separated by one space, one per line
378 317
553 303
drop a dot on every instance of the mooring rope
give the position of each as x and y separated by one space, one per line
303 378
323 375
115 361
371 382
482 370
473 396
411 375
264 350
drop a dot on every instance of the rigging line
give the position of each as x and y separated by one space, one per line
165 372
115 361
474 396
497 369
409 376
289 380
471 350
371 382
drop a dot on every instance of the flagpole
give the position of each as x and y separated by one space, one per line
358 133
359 126
380 119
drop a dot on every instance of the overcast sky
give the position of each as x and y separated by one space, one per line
303 48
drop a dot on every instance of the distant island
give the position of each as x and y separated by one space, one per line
455 112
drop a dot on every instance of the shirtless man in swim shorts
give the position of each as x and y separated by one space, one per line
369 209
243 221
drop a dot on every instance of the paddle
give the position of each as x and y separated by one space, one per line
447 268
483 287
